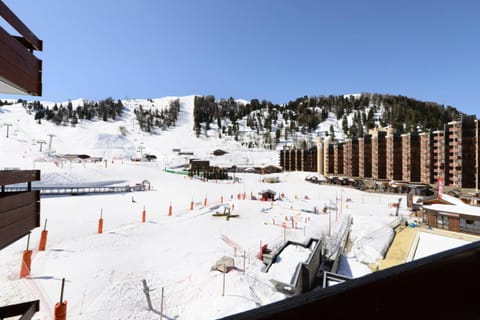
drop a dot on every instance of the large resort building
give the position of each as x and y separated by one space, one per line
452 154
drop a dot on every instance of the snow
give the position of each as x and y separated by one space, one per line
455 205
104 272
287 261
429 244
350 267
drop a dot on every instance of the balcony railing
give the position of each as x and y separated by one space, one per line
20 70
19 211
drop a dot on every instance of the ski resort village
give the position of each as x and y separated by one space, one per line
198 207
207 229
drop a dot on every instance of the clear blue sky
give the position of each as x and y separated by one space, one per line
266 49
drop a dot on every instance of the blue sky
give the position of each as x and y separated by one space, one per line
266 49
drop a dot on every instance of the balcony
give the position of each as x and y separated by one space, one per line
20 70
19 211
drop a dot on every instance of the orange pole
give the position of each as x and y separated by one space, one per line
43 241
143 215
100 225
191 205
26 260
43 238
170 210
60 311
205 201
26 263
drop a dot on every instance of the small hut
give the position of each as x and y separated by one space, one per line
268 195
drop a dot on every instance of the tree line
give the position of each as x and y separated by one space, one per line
150 119
107 109
357 114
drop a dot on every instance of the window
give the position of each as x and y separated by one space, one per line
442 222
470 225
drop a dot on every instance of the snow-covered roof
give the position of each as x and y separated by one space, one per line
456 206
463 210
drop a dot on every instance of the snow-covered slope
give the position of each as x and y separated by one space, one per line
120 139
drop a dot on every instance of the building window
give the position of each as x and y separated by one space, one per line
442 222
470 225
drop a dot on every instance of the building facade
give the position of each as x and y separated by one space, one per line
351 158
379 154
426 156
365 156
338 159
411 157
462 153
452 154
394 158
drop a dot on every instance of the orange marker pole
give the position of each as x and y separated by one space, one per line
60 312
191 205
100 223
205 201
43 238
144 214
170 210
26 260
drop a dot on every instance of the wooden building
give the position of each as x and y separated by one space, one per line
451 213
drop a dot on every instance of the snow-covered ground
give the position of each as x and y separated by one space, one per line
104 272
429 244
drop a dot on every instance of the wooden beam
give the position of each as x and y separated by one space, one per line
18 66
17 223
25 309
20 27
18 176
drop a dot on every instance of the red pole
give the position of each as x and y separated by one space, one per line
60 312
144 214
26 260
43 238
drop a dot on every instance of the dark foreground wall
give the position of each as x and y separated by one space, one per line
442 286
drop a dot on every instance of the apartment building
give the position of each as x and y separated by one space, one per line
319 142
461 153
328 158
379 154
411 157
351 158
394 158
452 153
338 159
299 160
440 156
365 156
426 158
